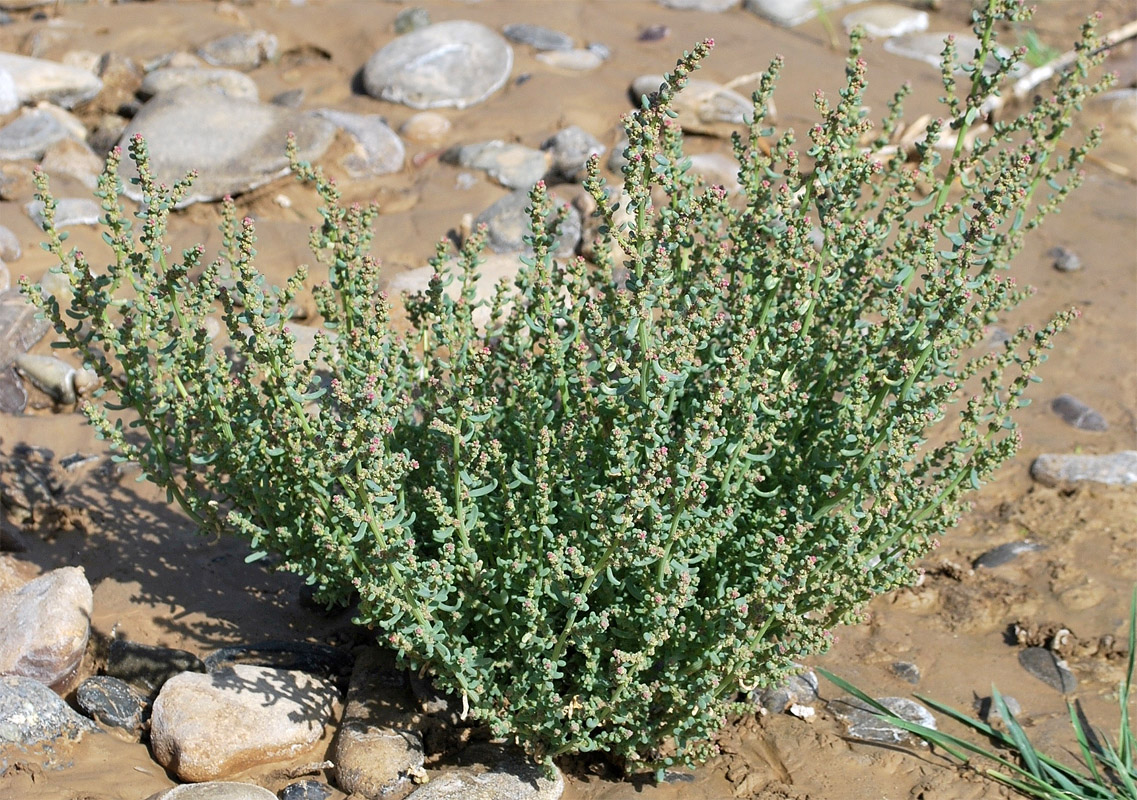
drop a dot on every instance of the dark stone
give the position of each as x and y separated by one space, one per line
1076 413
1005 553
315 659
114 703
36 726
906 670
1064 260
1048 668
146 666
798 689
305 790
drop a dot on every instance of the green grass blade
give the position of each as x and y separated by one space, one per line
1022 743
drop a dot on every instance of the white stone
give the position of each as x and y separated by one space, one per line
885 21
206 726
39 79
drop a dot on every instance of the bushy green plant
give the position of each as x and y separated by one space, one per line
631 492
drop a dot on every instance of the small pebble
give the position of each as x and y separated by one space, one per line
1048 668
411 19
1064 260
654 33
985 707
572 60
1005 553
1078 414
906 670
537 36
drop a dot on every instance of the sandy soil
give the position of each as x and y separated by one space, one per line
157 582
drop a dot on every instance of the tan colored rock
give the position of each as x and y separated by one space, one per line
44 627
207 726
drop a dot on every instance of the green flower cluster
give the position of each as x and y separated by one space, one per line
603 502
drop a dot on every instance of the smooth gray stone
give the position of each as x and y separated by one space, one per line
30 134
713 6
39 79
379 150
575 60
1118 469
886 20
537 36
801 689
985 708
512 165
292 98
36 726
68 211
453 64
9 245
1048 668
411 19
114 703
1078 414
1065 260
508 224
148 667
789 13
1005 553
228 81
235 145
862 723
52 376
214 790
928 47
243 51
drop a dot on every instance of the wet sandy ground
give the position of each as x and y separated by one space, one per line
156 582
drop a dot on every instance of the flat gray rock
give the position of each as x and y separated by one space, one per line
453 64
537 36
29 135
713 6
928 47
1048 668
1074 412
75 158
1118 469
215 790
36 727
39 79
1005 553
242 51
377 748
235 84
887 20
68 211
511 776
789 13
576 60
44 626
514 166
508 224
378 149
235 145
207 727
862 723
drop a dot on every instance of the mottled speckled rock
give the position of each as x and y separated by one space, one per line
235 145
37 728
44 626
38 79
453 64
862 723
206 727
1119 469
114 703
